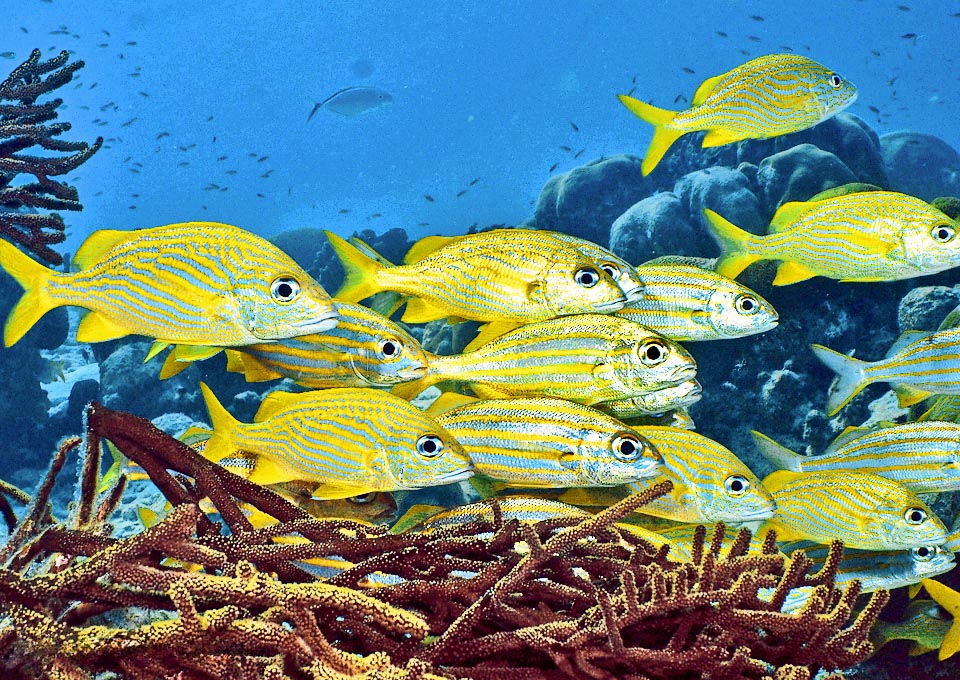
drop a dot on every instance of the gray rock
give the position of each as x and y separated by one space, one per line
725 191
799 173
658 225
923 309
585 201
128 384
921 165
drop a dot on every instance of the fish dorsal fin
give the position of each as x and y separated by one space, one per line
706 89
905 338
95 327
98 244
908 396
426 246
449 401
786 215
274 403
421 311
843 190
172 367
777 480
792 272
155 349
490 331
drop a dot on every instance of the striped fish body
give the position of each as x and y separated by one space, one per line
679 418
883 569
544 442
347 441
684 302
860 509
623 273
710 484
924 624
918 365
654 403
923 457
365 349
681 538
500 275
588 358
863 236
772 95
945 408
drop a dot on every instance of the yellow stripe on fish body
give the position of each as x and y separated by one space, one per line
768 96
365 349
587 358
500 275
860 509
945 408
654 403
347 441
684 302
681 539
710 484
544 442
923 457
195 283
919 364
864 236
923 623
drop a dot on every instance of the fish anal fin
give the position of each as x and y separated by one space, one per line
427 246
421 311
717 137
706 89
95 327
172 367
267 471
908 396
155 349
792 272
97 245
328 491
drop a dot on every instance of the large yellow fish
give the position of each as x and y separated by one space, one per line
863 236
197 283
500 275
768 96
347 441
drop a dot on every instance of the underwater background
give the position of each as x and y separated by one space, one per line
499 114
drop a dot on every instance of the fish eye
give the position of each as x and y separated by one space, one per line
915 516
389 348
363 499
835 81
587 277
924 553
652 353
736 485
746 304
943 233
429 446
627 448
285 289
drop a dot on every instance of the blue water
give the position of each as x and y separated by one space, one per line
482 90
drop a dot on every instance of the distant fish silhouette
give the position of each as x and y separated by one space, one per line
352 101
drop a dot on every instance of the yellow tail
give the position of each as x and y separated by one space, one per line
221 443
663 135
361 271
33 277
733 241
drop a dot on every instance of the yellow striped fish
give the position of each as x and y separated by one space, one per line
654 403
500 275
949 599
861 509
364 349
768 96
918 365
544 442
587 358
681 539
347 441
623 273
196 283
710 484
923 623
863 236
923 457
684 302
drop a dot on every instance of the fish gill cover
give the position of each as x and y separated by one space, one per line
162 560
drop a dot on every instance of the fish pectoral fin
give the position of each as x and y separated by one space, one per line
603 371
447 402
421 311
155 349
417 514
706 89
908 396
266 471
252 368
792 272
701 317
190 353
171 366
569 460
329 491
95 327
490 331
718 137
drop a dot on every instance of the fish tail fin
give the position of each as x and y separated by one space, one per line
779 456
733 242
850 376
220 445
361 271
663 135
33 277
409 390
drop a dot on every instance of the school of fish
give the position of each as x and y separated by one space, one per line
573 395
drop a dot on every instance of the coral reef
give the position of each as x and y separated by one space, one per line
22 126
556 599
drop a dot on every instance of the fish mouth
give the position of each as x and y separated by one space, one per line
634 294
319 324
451 477
611 306
412 372
683 373
755 515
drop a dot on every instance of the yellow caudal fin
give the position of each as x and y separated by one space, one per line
33 277
779 456
490 331
447 402
949 599
409 390
663 135
361 271
733 242
220 444
850 377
